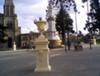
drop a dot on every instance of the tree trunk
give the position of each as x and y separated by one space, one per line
63 37
68 41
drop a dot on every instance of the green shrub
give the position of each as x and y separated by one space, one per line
98 41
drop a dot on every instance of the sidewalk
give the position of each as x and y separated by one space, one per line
83 63
70 63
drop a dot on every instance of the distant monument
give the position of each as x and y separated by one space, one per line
52 33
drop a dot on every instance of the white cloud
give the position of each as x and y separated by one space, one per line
26 14
26 2
1 9
81 17
28 10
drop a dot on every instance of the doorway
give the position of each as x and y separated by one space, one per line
9 42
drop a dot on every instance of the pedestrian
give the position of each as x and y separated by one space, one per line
90 41
69 44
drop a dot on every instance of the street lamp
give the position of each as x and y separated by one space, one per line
14 42
75 10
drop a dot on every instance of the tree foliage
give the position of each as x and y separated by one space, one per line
64 24
66 3
63 18
3 33
84 1
93 22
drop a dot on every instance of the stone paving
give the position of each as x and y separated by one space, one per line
70 63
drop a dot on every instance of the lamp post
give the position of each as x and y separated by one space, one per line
75 10
14 41
76 22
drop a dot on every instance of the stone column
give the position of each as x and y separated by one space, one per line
94 40
42 50
52 34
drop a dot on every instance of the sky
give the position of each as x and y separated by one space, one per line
29 10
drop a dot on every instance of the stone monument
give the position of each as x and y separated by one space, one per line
52 33
14 46
94 40
42 50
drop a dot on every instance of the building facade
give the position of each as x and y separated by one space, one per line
9 19
27 40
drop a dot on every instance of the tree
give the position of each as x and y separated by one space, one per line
93 22
3 34
64 24
95 14
67 22
63 5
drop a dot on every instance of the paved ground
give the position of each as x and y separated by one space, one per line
71 63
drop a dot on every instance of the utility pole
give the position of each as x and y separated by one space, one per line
75 10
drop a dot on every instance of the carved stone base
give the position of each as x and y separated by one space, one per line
42 54
43 69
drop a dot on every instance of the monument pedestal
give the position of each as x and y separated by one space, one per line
42 54
94 41
54 39
55 43
14 46
42 50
